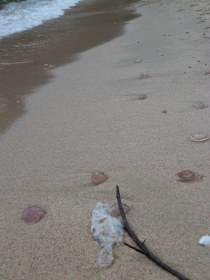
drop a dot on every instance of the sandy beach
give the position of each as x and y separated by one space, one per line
89 117
56 42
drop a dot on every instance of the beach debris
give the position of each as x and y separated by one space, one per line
199 137
142 96
108 231
204 240
33 214
141 246
188 176
48 66
115 211
207 73
98 177
199 105
145 76
138 61
164 111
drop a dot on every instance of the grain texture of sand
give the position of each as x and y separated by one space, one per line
90 117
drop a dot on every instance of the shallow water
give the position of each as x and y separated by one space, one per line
55 42
16 17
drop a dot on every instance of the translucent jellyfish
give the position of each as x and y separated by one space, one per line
199 105
33 214
199 137
115 211
188 175
98 177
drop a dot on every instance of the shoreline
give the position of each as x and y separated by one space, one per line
89 117
56 42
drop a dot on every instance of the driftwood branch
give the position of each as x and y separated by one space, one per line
134 248
142 248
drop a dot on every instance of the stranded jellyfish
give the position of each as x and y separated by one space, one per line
142 96
115 212
199 137
188 176
199 105
98 177
33 214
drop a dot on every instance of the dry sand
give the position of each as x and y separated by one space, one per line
89 117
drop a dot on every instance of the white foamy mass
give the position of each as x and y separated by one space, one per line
16 17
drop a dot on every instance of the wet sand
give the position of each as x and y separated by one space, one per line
89 117
57 42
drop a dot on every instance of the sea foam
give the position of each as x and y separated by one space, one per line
17 17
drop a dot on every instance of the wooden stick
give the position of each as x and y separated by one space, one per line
141 244
132 247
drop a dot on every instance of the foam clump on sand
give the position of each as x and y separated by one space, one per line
205 240
107 230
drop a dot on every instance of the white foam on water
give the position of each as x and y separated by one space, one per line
16 17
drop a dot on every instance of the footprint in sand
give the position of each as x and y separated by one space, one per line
144 76
194 4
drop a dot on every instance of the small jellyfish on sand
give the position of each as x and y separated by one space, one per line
200 105
115 211
142 96
98 177
188 176
199 137
33 214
